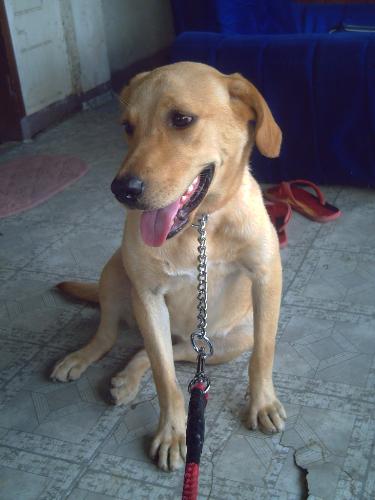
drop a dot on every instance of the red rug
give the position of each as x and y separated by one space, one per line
29 180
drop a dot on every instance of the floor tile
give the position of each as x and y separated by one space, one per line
335 280
67 421
80 253
22 241
354 231
14 356
33 476
19 484
79 494
31 310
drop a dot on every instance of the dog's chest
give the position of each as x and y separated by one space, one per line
188 273
228 291
181 262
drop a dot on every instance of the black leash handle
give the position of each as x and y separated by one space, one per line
196 424
194 440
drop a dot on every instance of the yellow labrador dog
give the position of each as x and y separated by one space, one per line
190 131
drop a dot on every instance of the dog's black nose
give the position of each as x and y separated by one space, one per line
127 189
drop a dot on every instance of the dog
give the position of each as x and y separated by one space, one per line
190 131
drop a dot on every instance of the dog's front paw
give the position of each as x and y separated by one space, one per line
265 411
69 368
169 446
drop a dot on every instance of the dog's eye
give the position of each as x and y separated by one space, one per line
128 127
180 120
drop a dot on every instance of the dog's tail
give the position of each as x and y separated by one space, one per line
84 291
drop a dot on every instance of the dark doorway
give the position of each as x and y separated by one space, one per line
11 103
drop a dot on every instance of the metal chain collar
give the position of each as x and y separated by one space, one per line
199 339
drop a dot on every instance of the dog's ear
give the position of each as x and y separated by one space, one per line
267 133
125 92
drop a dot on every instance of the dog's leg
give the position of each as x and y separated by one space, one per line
265 409
152 317
114 298
125 384
239 340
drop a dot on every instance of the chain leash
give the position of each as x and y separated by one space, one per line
199 339
200 384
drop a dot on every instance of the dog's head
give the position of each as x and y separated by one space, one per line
190 130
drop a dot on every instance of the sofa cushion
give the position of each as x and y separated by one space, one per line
320 90
268 16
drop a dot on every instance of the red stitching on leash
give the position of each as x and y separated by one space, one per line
191 477
194 441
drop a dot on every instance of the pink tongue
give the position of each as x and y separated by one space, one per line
156 224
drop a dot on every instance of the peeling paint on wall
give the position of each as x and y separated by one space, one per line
71 45
40 51
91 43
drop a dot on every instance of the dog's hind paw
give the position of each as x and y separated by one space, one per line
69 368
124 389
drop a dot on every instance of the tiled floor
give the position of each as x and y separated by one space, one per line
65 441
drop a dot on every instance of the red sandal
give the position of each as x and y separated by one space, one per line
280 214
312 207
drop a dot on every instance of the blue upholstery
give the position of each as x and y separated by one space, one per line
320 86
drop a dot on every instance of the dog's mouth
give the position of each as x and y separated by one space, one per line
161 224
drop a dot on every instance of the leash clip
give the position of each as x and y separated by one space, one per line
200 376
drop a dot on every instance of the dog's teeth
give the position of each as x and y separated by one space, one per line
184 198
191 188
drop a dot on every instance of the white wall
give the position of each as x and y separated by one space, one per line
136 29
91 42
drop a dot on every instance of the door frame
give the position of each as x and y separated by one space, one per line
15 108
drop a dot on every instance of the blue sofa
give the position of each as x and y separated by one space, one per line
314 64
